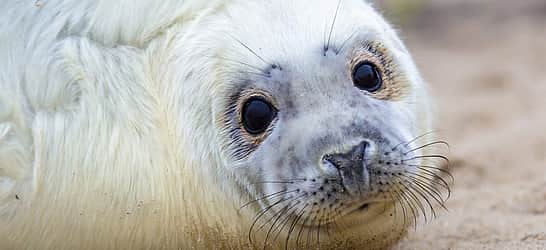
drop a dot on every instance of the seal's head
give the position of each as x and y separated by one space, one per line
200 124
195 124
317 106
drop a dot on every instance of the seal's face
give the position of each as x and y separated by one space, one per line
320 114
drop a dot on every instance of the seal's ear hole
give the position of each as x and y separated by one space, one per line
366 77
257 115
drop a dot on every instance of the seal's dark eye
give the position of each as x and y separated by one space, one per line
366 77
257 115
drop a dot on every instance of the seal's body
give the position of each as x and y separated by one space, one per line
206 124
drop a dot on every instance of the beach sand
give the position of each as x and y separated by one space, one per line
485 62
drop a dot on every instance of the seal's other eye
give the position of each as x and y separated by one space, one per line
366 77
257 115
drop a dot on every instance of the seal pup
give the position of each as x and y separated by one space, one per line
209 124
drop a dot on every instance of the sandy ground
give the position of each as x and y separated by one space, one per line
486 64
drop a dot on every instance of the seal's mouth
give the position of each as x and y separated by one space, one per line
364 206
359 210
356 212
350 216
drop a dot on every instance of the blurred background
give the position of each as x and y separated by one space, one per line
485 61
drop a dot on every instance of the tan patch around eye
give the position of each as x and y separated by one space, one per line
395 83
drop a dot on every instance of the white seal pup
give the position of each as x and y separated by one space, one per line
186 124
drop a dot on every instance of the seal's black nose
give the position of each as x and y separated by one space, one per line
351 159
351 167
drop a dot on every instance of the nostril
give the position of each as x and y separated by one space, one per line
330 159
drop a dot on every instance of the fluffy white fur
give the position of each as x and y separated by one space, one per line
105 116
